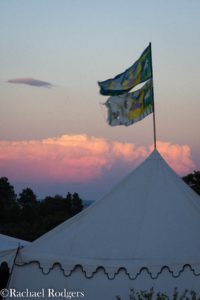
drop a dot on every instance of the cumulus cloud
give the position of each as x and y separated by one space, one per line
80 158
31 81
177 156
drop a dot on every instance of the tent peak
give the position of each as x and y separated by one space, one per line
155 155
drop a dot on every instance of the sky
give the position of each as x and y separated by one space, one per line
54 135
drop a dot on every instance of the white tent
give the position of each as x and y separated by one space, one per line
143 234
8 248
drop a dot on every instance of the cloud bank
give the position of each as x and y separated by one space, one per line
81 158
31 81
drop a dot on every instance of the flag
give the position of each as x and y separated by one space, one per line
139 72
131 107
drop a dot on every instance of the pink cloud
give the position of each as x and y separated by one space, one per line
80 158
177 156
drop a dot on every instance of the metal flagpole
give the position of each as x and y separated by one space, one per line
154 118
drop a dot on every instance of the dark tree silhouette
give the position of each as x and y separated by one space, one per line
7 198
27 218
74 203
193 180
27 198
7 193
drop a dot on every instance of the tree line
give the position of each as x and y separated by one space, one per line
25 217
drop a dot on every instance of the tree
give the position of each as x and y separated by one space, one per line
27 198
7 197
52 212
193 180
74 203
27 218
52 205
68 201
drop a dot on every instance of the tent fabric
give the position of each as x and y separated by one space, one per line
8 248
149 221
8 242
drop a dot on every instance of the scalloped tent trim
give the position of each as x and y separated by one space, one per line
111 273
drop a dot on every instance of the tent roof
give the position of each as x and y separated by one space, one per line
149 220
8 242
8 248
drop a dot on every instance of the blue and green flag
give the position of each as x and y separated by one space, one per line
139 72
131 107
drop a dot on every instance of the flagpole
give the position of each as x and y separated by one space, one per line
154 118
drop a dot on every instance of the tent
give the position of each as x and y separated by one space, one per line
143 234
8 248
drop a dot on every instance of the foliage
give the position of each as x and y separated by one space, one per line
27 198
152 295
193 180
7 198
27 218
74 203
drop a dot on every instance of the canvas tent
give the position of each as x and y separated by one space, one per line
8 248
143 234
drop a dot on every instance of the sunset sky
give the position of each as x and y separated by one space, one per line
54 136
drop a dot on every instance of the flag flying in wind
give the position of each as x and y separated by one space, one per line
139 72
131 107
